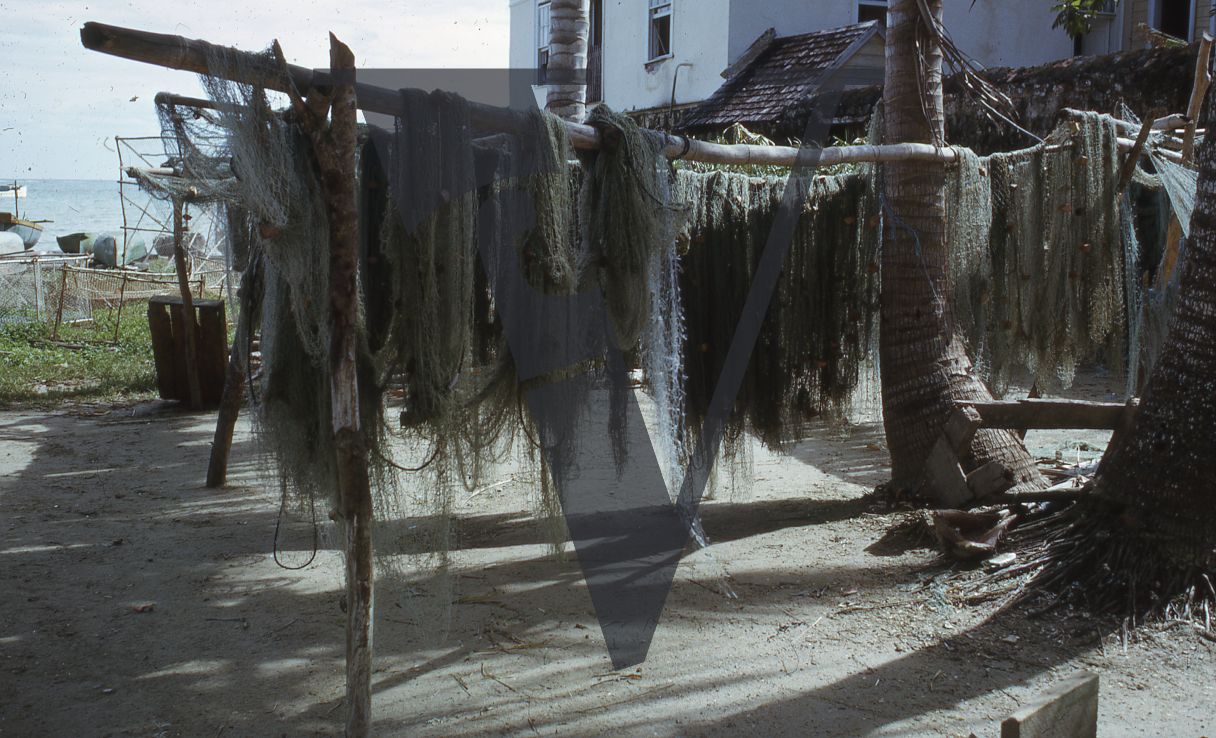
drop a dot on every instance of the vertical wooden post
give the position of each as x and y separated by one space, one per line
1199 89
63 288
335 146
234 381
230 409
191 328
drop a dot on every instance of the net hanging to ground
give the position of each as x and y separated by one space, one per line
1038 271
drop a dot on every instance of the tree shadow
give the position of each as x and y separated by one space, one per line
139 602
104 517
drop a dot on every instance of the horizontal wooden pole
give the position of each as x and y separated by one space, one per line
192 55
169 98
1052 414
1126 144
1171 122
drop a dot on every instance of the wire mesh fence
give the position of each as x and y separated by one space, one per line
62 290
31 287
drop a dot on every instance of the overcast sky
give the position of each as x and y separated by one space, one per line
60 104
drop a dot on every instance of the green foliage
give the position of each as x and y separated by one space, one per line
1077 16
85 363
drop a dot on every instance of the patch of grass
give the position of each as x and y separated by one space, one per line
85 363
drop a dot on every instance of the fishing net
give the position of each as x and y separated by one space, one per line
1044 290
459 234
279 192
196 171
818 329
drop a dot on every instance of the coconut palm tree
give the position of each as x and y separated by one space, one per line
568 30
1145 540
925 369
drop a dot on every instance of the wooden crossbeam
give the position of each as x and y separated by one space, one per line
1053 414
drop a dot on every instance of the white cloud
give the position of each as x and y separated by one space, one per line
59 103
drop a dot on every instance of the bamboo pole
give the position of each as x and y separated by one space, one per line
334 144
188 325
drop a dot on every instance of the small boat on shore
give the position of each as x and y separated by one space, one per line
76 243
29 230
108 250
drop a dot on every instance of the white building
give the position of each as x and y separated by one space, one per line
653 54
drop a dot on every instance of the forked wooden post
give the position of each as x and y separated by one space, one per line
189 327
334 144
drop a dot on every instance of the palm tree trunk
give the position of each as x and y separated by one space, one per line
568 30
1159 476
925 369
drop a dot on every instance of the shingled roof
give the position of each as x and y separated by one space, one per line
781 75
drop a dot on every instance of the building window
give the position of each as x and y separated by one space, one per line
1174 17
544 19
660 29
872 10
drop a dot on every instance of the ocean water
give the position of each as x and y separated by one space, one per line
72 204
91 206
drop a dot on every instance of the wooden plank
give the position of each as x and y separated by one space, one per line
181 383
945 481
1050 414
961 427
212 350
160 325
1069 710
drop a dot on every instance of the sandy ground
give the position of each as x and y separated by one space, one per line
138 603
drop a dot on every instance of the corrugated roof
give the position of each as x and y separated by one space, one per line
783 74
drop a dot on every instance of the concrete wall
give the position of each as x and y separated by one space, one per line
1007 34
699 39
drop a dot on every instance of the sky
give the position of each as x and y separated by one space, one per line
61 105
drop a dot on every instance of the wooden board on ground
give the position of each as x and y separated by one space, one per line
944 477
1069 710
